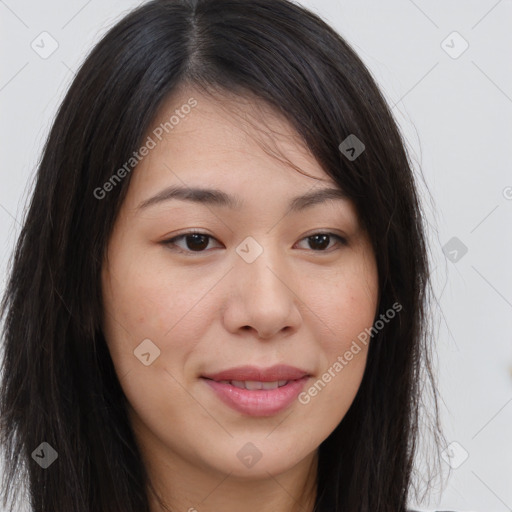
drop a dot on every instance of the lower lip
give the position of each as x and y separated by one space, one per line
260 402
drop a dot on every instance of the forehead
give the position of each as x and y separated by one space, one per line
229 142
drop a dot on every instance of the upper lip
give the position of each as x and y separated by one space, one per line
253 373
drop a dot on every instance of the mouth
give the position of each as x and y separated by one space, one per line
258 391
277 373
253 385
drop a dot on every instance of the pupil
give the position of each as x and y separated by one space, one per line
322 239
199 242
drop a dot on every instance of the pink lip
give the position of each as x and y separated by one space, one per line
261 402
271 374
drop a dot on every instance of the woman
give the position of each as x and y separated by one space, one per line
217 300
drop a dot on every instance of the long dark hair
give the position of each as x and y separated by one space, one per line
59 385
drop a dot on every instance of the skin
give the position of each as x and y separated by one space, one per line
212 310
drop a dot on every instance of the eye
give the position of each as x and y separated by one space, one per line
193 242
319 242
197 242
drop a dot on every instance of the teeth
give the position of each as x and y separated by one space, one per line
253 385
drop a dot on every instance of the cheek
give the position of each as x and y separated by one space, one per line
345 303
145 306
149 300
344 308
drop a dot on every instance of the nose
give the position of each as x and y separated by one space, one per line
262 298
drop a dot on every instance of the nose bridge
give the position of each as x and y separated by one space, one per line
261 275
261 296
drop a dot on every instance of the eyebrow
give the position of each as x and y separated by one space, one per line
216 197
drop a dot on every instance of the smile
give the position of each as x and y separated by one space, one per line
257 391
254 385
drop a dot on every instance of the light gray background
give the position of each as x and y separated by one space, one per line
456 115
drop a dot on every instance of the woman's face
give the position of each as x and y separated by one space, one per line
271 294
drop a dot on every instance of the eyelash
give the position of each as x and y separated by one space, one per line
171 241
